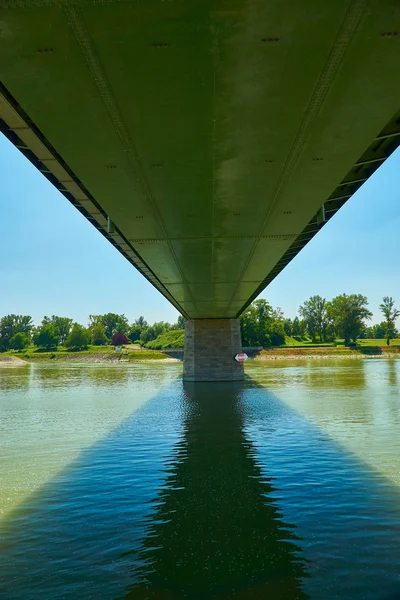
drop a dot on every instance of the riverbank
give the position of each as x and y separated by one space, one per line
324 352
7 361
102 355
107 354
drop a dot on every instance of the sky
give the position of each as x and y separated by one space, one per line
54 262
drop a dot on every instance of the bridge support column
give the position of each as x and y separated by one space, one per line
210 349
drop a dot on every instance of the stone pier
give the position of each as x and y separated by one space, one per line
210 349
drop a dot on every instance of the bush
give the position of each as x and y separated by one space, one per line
277 333
78 337
118 339
298 338
47 336
170 339
99 337
19 341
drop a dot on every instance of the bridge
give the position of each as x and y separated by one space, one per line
207 140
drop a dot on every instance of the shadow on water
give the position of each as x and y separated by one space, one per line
170 505
217 533
181 501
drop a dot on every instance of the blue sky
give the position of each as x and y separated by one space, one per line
54 262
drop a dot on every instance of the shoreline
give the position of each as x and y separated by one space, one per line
168 360
12 361
135 356
324 356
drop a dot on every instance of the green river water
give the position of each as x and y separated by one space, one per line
121 482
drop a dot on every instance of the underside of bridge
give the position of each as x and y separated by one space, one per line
208 141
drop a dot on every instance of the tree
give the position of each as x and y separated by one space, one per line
288 326
366 333
316 317
348 313
179 325
147 335
12 324
78 337
248 326
391 314
141 322
19 341
277 314
98 334
47 336
264 314
112 322
119 338
261 325
134 333
379 331
277 333
63 325
297 329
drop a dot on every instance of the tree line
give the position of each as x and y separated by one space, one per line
345 317
320 320
18 331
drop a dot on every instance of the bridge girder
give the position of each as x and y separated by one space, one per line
209 133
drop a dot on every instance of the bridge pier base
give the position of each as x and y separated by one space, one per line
210 349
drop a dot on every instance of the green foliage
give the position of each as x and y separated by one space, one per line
348 314
298 328
180 324
141 322
112 323
261 325
171 339
391 314
134 333
19 341
288 327
146 336
98 334
12 324
63 325
152 332
277 333
377 332
47 335
78 338
316 318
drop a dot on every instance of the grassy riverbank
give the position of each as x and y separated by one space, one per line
107 354
292 342
94 354
328 352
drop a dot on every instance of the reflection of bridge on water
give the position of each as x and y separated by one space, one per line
217 532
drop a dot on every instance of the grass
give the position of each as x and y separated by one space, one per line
292 347
321 350
61 353
170 339
380 342
292 343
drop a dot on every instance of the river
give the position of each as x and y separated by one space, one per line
121 482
